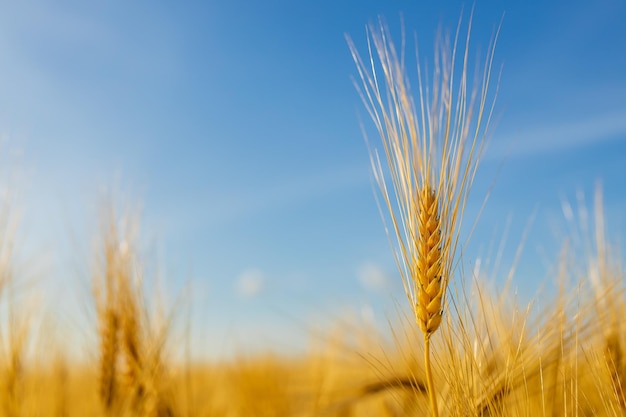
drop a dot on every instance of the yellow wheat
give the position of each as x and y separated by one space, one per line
428 265
108 358
432 152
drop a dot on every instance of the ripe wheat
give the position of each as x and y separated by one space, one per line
432 152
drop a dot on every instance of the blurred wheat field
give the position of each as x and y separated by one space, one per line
493 355
466 348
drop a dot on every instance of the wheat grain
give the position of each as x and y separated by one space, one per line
428 268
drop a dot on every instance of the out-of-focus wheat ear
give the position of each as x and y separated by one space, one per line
429 263
131 340
108 357
105 289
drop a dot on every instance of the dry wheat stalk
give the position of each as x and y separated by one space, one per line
117 315
432 151
108 358
130 356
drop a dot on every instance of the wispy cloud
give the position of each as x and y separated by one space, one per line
237 203
250 283
372 277
574 134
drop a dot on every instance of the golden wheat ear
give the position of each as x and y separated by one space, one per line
432 152
429 266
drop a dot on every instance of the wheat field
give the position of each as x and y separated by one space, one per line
464 347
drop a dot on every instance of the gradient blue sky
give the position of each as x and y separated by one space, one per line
236 124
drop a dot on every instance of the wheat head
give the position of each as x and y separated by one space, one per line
428 265
432 151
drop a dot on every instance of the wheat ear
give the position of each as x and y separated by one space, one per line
432 152
105 289
429 265
108 358
428 276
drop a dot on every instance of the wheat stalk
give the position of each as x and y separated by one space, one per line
105 294
131 358
432 153
108 358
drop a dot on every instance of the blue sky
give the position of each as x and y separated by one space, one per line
236 125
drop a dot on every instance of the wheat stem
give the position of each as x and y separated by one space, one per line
432 395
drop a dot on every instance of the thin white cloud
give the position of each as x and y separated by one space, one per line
574 134
282 193
250 283
372 277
